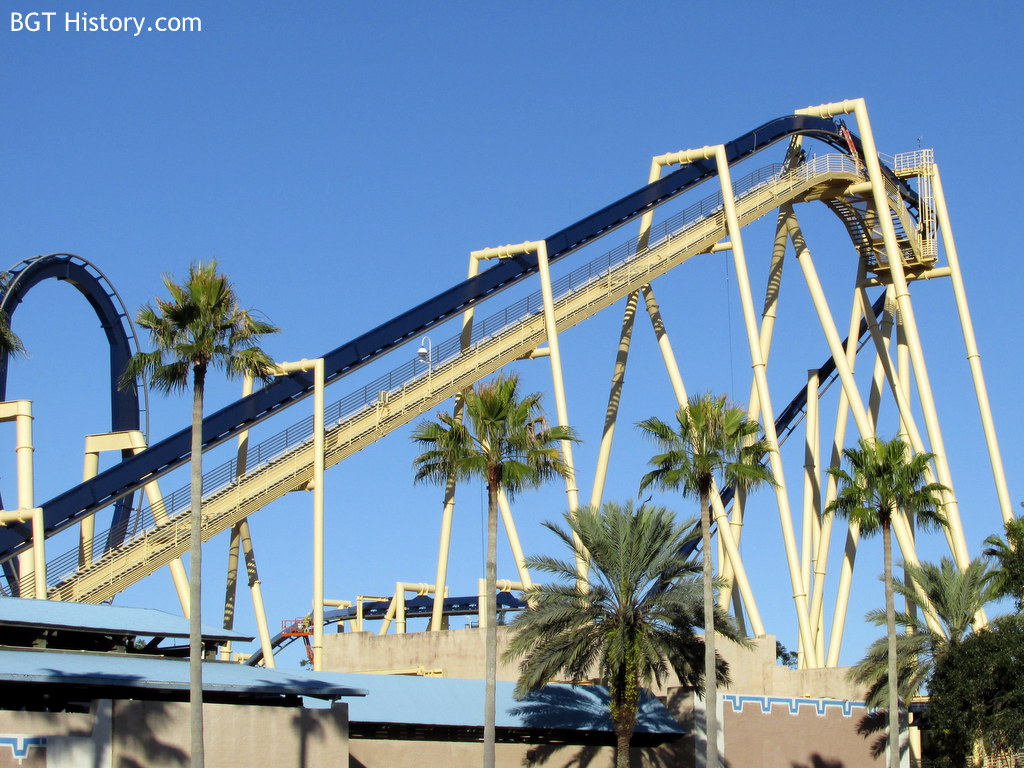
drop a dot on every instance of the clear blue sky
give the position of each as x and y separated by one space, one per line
341 159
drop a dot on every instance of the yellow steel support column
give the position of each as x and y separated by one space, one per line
241 539
561 408
895 263
763 395
853 529
317 366
728 541
812 490
622 355
900 390
768 316
513 539
448 508
32 564
88 527
971 344
614 398
134 441
865 425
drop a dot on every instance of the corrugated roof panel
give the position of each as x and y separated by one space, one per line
107 619
159 673
455 702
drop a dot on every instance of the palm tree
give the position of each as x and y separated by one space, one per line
632 619
200 327
505 441
10 342
955 597
713 442
1009 557
884 480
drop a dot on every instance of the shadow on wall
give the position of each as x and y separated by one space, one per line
146 718
817 761
307 727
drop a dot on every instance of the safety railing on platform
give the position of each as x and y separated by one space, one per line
264 453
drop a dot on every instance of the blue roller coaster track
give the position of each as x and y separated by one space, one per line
133 472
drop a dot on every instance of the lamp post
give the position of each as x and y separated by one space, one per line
426 352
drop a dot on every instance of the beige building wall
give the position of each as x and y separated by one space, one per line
154 734
70 738
770 715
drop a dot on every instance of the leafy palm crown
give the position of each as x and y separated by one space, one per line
200 326
506 442
714 442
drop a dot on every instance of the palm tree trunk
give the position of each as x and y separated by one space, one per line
890 629
491 612
195 581
625 702
710 678
622 739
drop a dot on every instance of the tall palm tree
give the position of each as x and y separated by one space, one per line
886 479
504 440
638 610
713 442
200 327
955 597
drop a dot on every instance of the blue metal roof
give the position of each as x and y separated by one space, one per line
106 619
119 670
456 702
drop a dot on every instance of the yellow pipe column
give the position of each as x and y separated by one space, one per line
622 356
561 408
726 538
32 564
88 527
242 535
614 398
971 344
725 533
838 441
764 397
900 390
317 366
769 314
134 441
448 507
899 281
864 425
513 539
812 490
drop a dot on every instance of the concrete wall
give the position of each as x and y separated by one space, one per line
154 734
56 740
770 715
459 653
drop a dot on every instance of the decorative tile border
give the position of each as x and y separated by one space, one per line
792 705
20 744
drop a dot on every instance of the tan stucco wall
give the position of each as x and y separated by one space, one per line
155 734
752 738
457 653
68 736
460 653
436 754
